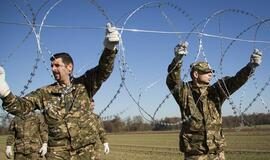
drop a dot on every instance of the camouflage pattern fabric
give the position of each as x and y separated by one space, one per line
32 156
101 132
201 66
97 151
202 133
60 153
27 134
66 109
102 136
219 156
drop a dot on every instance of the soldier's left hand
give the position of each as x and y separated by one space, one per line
43 150
4 88
256 57
9 152
112 37
106 148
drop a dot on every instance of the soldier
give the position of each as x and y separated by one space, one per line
201 135
29 135
65 103
101 133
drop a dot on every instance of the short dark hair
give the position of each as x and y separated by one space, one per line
66 58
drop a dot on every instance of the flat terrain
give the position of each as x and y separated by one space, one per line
245 144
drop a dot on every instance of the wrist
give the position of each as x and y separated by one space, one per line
178 57
253 65
178 60
5 93
110 47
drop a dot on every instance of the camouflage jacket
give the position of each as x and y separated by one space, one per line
28 133
66 110
101 131
201 130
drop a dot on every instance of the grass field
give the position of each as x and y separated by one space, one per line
246 144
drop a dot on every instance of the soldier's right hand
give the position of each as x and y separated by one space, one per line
106 148
180 50
4 88
256 57
9 152
112 37
43 150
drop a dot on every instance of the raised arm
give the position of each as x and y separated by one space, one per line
173 80
228 85
18 105
94 78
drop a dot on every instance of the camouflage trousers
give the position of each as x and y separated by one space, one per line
219 156
32 156
84 153
97 151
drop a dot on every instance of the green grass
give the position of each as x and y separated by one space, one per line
2 147
247 144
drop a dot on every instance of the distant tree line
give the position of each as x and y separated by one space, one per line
137 123
246 120
130 124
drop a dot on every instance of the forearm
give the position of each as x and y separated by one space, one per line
173 77
106 63
16 105
234 83
43 128
10 140
102 132
103 137
44 135
94 77
44 138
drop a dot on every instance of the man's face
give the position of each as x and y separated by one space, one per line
203 78
92 106
61 71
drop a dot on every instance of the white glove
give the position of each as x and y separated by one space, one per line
112 37
8 152
4 89
180 50
256 57
106 148
43 149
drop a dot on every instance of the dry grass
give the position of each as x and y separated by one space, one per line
246 144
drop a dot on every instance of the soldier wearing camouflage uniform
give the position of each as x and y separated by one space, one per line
101 133
29 135
201 136
65 104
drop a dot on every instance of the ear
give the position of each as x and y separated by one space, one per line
70 67
195 74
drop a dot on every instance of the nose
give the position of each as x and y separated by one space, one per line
53 67
210 75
